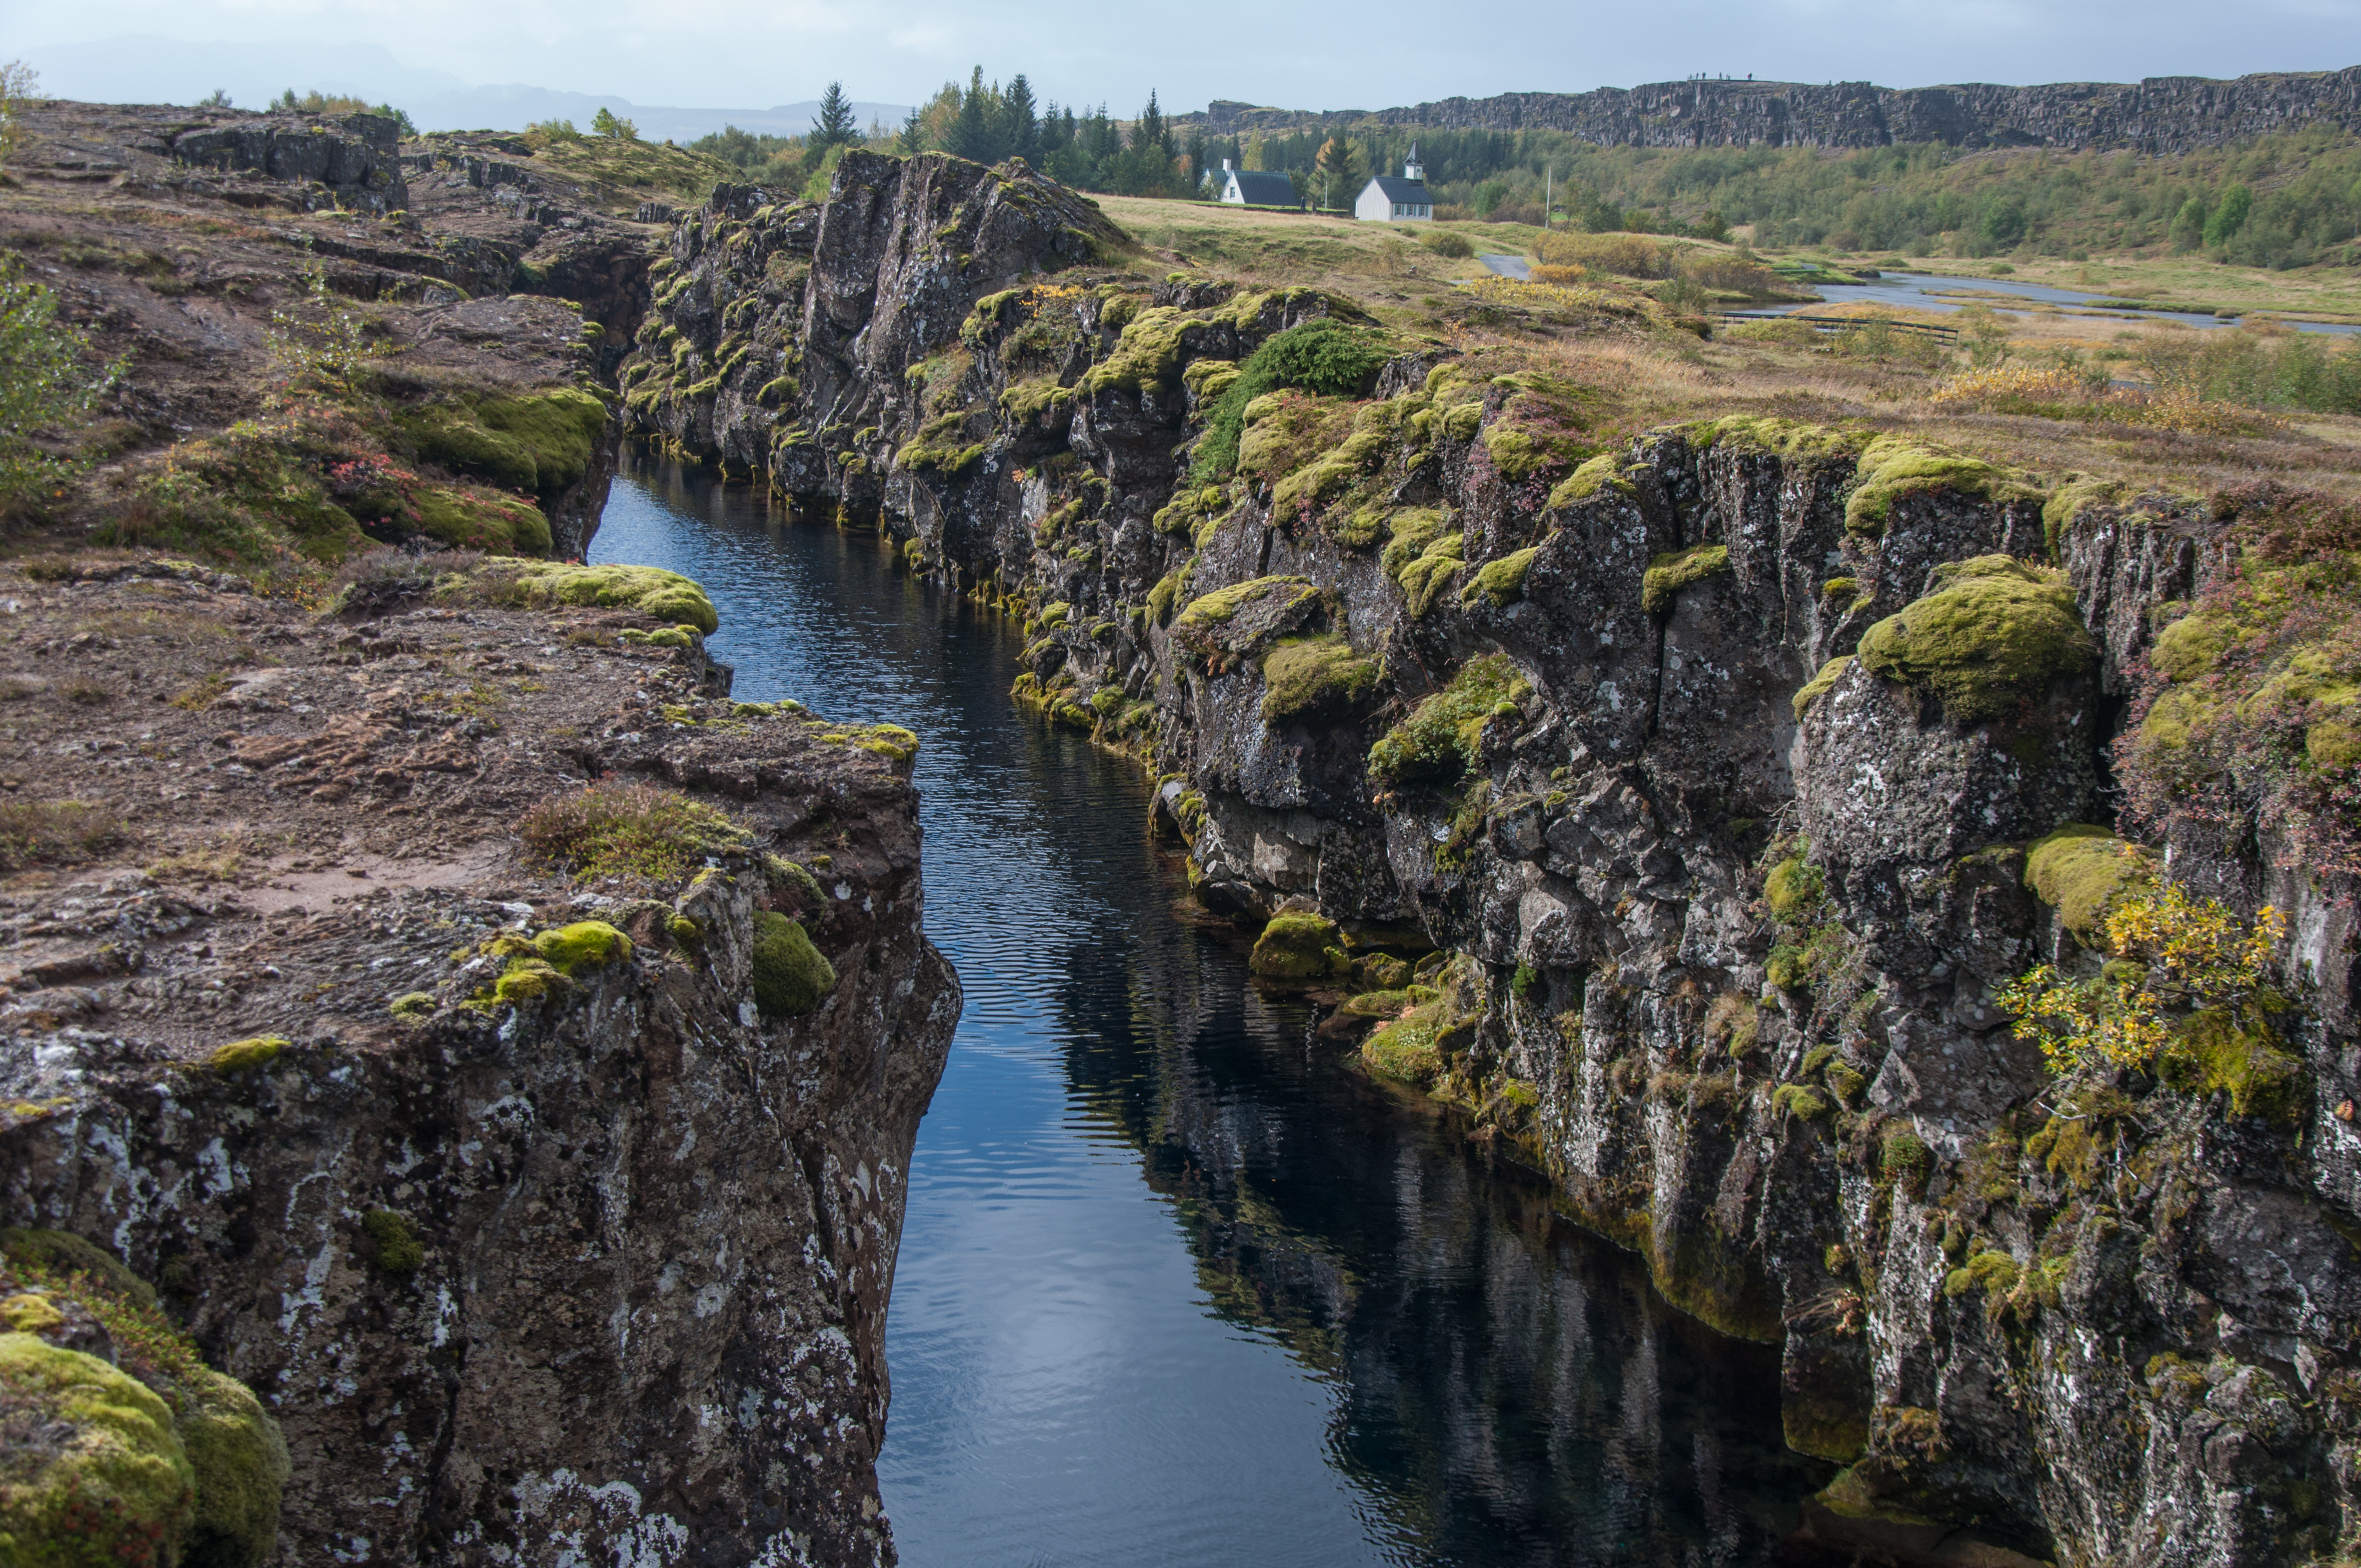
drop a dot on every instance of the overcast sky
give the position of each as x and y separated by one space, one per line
759 52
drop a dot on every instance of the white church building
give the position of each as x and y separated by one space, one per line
1386 200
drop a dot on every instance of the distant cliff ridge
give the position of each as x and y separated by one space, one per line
2162 114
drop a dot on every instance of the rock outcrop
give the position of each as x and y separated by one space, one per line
1707 764
2158 115
548 1223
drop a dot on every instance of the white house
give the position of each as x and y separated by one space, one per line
1386 200
1257 188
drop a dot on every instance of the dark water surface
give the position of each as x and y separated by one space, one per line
1177 1288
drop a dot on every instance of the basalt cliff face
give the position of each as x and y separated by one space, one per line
1717 914
2160 114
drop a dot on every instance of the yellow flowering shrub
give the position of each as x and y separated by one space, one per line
2174 961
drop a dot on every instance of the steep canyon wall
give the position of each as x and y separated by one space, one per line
1606 694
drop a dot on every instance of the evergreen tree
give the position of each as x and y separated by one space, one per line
1340 167
1020 127
975 133
834 124
913 140
1150 130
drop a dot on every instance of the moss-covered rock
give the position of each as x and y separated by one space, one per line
586 944
2082 871
1230 622
61 1253
1502 581
465 517
1602 472
651 590
541 442
1443 736
1146 354
1300 946
1817 686
239 1056
1994 633
391 1241
1310 677
1406 1050
1668 574
99 1476
791 976
1892 467
241 1465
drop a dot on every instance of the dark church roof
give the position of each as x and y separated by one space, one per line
1404 193
1262 188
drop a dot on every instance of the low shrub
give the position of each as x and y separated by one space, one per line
634 832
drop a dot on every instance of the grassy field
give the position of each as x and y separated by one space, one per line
1653 375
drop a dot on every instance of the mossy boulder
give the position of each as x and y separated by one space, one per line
1995 632
791 976
1407 1049
1602 472
2082 871
241 1465
587 944
1312 677
651 590
1146 354
1300 946
98 1475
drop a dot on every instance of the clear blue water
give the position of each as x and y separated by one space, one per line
1177 1286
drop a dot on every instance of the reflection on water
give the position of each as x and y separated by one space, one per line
1176 1287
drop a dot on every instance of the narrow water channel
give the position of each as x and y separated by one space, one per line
1177 1287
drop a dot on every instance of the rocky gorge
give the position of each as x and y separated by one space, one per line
438 1004
1683 807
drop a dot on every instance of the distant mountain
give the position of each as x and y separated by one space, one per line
147 69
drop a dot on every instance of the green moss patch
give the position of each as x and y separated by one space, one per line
586 944
1892 467
1994 633
1300 946
542 443
113 1483
2082 871
1667 575
240 1462
1502 581
391 1241
1602 472
1313 677
791 976
465 518
1230 622
651 590
1817 686
1146 354
1443 736
239 1056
